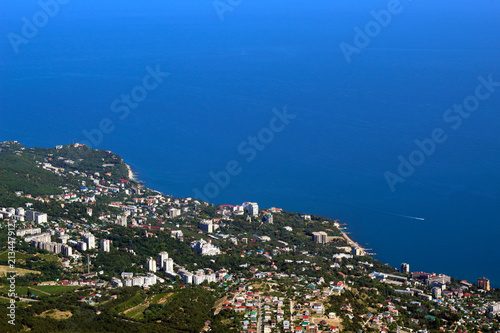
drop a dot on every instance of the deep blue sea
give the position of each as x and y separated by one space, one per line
358 102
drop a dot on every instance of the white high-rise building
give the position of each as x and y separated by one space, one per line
41 218
82 246
20 211
137 281
187 278
29 214
67 250
320 237
174 212
168 265
151 264
148 280
436 293
105 245
162 256
252 208
199 277
207 226
121 220
90 240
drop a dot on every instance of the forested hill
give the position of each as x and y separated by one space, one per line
44 171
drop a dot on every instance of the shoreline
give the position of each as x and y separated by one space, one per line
348 239
363 251
131 175
351 242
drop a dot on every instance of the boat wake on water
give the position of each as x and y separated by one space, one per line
374 210
408 217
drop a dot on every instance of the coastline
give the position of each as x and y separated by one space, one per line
362 250
131 175
353 243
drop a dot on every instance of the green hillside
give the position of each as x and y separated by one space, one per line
21 168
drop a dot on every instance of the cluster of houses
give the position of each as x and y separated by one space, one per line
265 313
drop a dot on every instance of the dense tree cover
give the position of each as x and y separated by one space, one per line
20 173
19 170
115 262
177 314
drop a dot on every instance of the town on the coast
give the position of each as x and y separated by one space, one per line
88 247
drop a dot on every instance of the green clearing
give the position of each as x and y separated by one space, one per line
55 289
5 269
39 290
47 257
137 311
4 256
130 303
159 297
